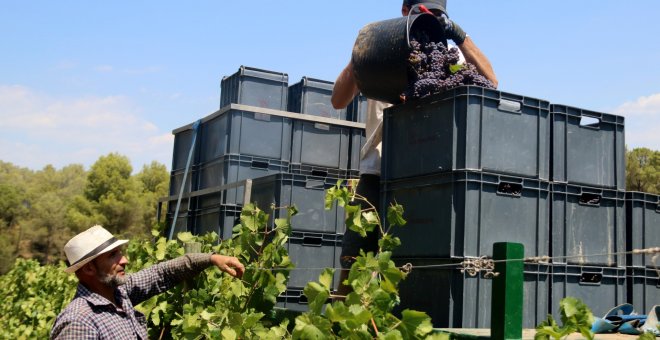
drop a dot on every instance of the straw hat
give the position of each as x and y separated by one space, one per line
87 245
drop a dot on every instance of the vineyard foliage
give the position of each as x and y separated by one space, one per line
32 296
215 305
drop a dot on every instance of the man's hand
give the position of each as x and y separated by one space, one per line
228 264
452 30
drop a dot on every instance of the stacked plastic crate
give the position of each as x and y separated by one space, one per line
588 208
470 167
326 147
293 145
643 231
320 156
246 138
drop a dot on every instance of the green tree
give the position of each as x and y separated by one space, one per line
154 184
50 193
109 176
111 197
41 210
643 170
14 207
13 197
12 204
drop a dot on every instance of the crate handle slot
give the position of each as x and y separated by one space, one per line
509 189
590 199
590 122
314 184
509 105
320 126
262 116
319 173
592 279
259 165
657 208
312 241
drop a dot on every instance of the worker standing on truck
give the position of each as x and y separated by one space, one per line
103 307
345 89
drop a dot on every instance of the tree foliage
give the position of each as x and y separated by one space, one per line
643 170
41 210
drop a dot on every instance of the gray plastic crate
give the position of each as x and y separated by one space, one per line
600 288
455 299
183 223
462 213
255 87
358 138
253 133
320 143
295 300
220 219
586 222
469 128
312 253
588 148
182 142
235 168
319 171
312 96
643 288
176 180
307 193
642 226
357 109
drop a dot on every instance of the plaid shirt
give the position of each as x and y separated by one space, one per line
91 316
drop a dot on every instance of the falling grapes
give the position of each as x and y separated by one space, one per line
434 68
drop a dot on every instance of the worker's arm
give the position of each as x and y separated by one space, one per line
471 52
473 55
345 88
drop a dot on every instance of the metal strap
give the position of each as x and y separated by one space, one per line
195 128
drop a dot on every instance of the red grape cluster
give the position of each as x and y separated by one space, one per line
434 68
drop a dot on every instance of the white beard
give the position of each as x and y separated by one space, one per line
113 281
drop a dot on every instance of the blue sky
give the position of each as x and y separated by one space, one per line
80 79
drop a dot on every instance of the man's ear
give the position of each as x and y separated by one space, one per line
404 10
88 269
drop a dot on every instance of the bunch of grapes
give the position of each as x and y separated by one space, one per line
434 68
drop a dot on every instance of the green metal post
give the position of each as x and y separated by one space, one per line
507 300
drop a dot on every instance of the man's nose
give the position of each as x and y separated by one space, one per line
123 261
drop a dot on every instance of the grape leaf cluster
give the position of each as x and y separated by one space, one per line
434 68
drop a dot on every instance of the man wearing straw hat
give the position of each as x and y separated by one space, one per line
103 305
346 89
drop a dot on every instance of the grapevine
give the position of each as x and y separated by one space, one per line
215 305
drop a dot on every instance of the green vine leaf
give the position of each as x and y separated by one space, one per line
312 327
326 278
185 237
455 68
229 334
388 242
395 215
414 324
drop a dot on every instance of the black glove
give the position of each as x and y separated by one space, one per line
452 30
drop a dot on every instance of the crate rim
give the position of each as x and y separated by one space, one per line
272 112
